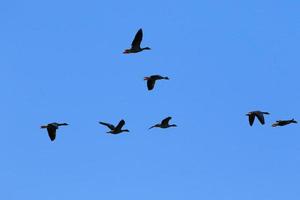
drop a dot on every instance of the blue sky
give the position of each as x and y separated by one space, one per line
62 61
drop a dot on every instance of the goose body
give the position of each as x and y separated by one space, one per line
115 129
164 124
152 79
259 115
136 44
284 122
51 129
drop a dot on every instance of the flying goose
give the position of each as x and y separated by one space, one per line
258 114
284 122
151 80
117 129
136 44
164 124
51 128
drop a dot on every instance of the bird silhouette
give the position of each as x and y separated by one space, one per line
152 79
136 44
259 115
284 122
51 128
115 129
164 124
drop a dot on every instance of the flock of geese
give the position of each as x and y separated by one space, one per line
260 116
135 48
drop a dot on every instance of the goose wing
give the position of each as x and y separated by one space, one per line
165 122
150 83
260 117
137 39
120 125
51 132
110 126
156 125
251 119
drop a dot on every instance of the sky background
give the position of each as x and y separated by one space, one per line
62 61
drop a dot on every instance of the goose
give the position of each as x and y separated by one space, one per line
136 43
151 80
259 115
164 124
51 128
117 129
284 122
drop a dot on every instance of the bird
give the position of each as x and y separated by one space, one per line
51 128
164 124
136 43
151 80
284 122
259 115
117 129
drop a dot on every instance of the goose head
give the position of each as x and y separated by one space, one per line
146 48
63 124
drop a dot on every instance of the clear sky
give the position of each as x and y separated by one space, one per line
62 61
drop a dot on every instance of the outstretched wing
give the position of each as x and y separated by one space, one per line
120 125
166 121
156 125
150 84
137 39
260 117
51 132
110 126
251 119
